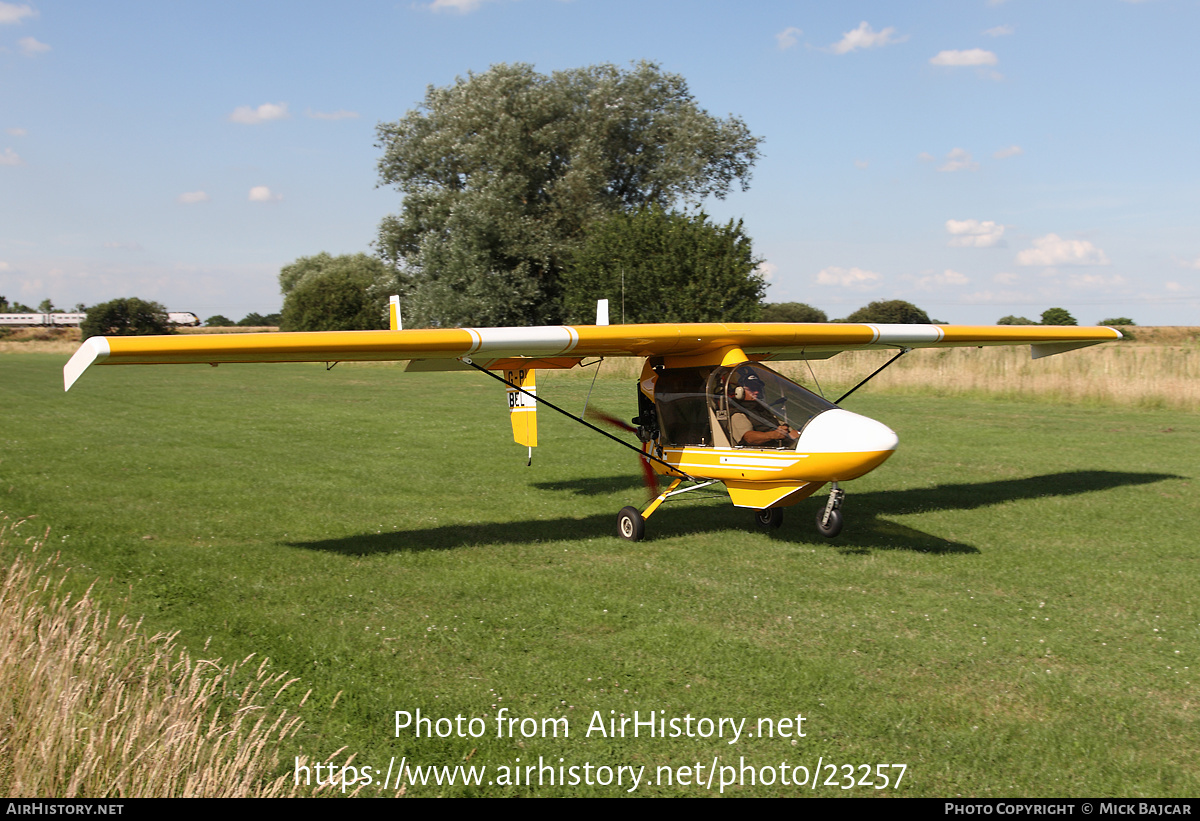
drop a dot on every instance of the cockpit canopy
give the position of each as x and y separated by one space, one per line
715 406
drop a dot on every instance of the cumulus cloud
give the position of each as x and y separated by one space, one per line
1054 250
340 114
861 164
9 157
855 278
970 57
999 31
16 132
959 160
247 115
766 270
260 193
974 233
12 13
787 37
1011 151
30 46
1005 278
192 197
865 37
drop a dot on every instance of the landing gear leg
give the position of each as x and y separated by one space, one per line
829 520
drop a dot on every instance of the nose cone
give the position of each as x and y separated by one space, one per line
856 444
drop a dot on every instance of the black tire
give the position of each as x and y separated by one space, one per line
834 527
769 519
630 525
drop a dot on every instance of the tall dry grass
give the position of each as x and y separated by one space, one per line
90 706
1143 376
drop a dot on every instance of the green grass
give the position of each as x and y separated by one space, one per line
1011 610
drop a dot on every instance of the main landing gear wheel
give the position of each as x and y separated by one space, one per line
630 524
769 519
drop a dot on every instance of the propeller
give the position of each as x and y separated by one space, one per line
648 476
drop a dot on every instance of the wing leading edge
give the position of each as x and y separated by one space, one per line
566 345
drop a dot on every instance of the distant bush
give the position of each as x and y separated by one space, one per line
892 311
1119 320
792 312
219 321
1014 320
126 317
1057 316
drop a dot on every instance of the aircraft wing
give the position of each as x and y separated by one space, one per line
560 346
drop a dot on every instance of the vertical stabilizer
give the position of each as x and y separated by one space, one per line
394 322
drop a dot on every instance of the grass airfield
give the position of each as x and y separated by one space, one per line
1011 610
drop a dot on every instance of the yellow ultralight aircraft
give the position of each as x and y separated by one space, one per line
708 410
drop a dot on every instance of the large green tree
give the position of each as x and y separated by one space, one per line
126 317
503 172
326 293
654 265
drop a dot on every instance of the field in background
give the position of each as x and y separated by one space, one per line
1010 611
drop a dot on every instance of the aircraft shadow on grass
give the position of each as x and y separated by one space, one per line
865 529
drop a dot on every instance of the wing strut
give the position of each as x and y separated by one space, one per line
467 361
903 351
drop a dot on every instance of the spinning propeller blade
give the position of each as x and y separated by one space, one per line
648 475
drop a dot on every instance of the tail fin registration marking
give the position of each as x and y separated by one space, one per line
521 406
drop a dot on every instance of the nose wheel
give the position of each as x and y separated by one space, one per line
829 520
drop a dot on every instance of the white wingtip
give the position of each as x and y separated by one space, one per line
92 350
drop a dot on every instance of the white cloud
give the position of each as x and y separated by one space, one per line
124 246
959 160
865 37
787 37
766 270
1005 278
1195 263
16 132
970 57
974 233
340 114
12 13
30 46
848 278
925 156
246 115
861 164
935 281
1011 151
260 193
999 31
1054 250
459 6
9 157
191 197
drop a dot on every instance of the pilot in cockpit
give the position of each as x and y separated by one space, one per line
751 422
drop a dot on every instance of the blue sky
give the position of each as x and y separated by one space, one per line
978 158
